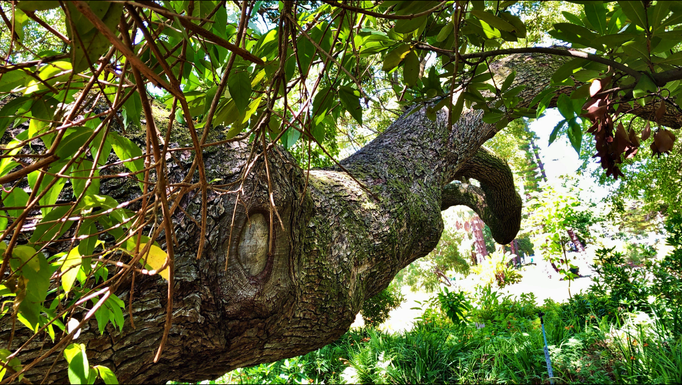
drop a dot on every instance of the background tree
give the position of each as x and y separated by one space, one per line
220 249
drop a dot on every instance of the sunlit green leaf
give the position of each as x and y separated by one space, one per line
635 12
395 57
106 374
493 20
70 268
79 369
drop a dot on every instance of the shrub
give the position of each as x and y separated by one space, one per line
375 311
497 269
455 305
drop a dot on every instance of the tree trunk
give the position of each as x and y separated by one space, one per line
578 245
296 278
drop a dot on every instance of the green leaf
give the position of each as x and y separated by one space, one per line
491 33
103 316
87 42
227 113
596 15
674 59
644 86
322 103
290 137
132 110
106 374
657 13
457 109
519 27
239 85
70 268
6 163
635 12
473 96
13 110
42 109
615 41
14 363
566 70
87 245
445 32
508 81
51 74
575 134
79 369
350 99
493 20
637 48
52 195
555 131
82 170
33 5
411 69
36 273
577 34
409 25
17 198
493 116
72 141
306 51
395 57
45 231
572 18
13 79
129 154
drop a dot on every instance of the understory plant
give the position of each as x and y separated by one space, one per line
497 269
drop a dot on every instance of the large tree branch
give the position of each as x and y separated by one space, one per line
496 201
338 246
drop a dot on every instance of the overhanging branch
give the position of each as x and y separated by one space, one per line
551 51
496 201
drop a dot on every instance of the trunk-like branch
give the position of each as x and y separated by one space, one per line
291 292
496 202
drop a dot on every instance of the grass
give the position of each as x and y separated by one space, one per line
584 348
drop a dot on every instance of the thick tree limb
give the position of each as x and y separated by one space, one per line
339 246
496 201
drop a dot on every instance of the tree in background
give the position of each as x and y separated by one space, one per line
561 221
155 215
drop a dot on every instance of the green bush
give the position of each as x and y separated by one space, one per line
375 311
454 304
497 269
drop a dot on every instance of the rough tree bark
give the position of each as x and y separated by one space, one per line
296 278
